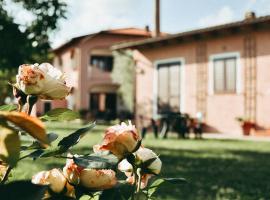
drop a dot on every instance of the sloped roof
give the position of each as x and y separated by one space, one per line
122 31
179 36
130 31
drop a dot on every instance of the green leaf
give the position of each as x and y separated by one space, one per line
36 145
65 143
11 107
75 137
9 145
177 181
35 154
60 114
166 182
154 186
97 161
140 196
53 151
121 191
22 190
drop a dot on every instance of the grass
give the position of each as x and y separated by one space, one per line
215 169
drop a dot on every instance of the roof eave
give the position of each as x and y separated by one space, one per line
140 44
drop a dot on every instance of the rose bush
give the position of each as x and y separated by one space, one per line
93 174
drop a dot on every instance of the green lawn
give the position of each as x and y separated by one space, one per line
215 169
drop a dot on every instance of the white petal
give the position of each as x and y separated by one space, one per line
125 166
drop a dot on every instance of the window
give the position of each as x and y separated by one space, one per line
103 63
47 106
168 87
225 75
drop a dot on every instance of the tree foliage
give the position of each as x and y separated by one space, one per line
29 42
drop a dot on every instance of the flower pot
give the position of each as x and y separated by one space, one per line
246 127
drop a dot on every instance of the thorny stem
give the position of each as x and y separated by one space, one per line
139 179
66 157
5 178
31 100
135 181
23 157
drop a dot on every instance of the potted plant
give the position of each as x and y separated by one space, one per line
246 124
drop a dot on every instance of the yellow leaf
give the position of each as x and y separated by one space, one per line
31 125
9 146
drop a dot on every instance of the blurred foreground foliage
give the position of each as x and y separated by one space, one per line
6 75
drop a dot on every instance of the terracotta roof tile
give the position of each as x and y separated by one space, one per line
121 31
149 41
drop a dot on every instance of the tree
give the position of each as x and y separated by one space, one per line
30 44
13 43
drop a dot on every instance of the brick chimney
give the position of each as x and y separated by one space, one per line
156 32
249 15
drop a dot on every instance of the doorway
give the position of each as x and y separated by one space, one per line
103 105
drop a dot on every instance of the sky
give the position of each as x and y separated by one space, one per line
89 16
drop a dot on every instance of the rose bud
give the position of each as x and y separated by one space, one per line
72 171
44 80
54 178
98 179
121 140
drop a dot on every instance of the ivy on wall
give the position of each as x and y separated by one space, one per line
123 73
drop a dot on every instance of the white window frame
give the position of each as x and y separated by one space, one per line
211 90
182 86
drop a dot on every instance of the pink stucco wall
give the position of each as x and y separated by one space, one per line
74 62
263 77
222 109
89 77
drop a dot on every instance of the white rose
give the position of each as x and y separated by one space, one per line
54 178
125 166
42 80
98 179
145 154
142 155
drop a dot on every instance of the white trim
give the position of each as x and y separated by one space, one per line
182 84
211 71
